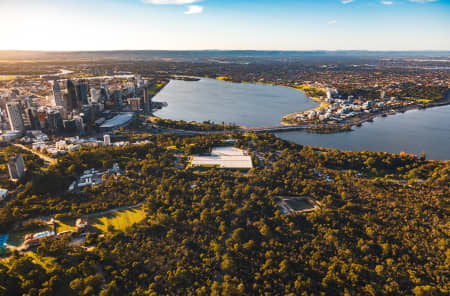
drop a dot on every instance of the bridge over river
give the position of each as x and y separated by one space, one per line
278 128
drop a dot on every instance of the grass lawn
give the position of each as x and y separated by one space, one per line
223 78
417 100
119 220
61 226
7 77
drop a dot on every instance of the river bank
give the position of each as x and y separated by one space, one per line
346 125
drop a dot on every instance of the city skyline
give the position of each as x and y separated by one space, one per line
225 25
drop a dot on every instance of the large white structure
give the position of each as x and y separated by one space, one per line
15 117
117 121
224 157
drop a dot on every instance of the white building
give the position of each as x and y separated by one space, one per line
61 145
107 140
224 157
93 177
95 95
3 193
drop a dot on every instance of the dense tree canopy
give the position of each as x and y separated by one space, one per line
382 228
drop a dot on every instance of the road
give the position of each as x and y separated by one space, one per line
42 156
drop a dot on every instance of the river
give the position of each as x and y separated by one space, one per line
414 132
250 105
253 105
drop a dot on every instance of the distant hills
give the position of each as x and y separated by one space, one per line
199 55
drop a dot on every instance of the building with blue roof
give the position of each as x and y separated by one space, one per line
3 241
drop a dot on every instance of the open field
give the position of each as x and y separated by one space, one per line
119 220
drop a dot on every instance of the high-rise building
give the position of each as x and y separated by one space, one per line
72 101
95 95
147 100
79 124
42 118
30 119
82 92
135 104
54 122
104 95
15 116
16 166
57 94
116 98
107 140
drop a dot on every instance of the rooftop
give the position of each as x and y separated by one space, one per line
118 120
224 157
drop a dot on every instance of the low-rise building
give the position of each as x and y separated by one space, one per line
223 157
94 177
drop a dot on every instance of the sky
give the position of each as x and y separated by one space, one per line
225 24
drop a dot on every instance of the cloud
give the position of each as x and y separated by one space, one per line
191 9
387 2
347 1
332 22
423 1
171 2
194 9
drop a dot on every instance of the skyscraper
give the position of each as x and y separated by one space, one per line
54 122
147 100
16 166
30 119
104 94
57 94
82 93
72 102
15 117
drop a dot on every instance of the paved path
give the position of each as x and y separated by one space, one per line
42 156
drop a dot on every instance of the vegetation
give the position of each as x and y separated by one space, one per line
119 221
366 93
224 78
33 165
373 235
424 93
310 91
192 126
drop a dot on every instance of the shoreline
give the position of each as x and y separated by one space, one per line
293 114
